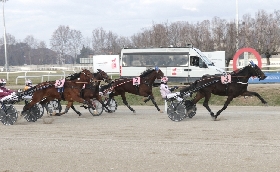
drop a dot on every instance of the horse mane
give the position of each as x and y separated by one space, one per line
238 70
73 76
146 72
95 74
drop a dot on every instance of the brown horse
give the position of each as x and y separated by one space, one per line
92 90
47 91
144 88
213 84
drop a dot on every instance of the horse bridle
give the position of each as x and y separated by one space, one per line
257 71
91 79
99 73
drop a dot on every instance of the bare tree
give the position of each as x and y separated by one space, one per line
76 39
32 44
112 43
264 33
159 35
31 41
99 40
219 31
87 41
121 43
60 42
142 39
200 36
42 44
230 40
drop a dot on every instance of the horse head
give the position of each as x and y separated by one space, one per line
257 71
159 74
101 75
86 76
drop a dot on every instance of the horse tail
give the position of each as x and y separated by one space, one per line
199 84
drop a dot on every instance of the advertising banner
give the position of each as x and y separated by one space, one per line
271 78
107 63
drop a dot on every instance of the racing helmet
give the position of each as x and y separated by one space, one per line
28 82
164 79
3 82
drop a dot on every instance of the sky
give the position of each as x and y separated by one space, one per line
40 18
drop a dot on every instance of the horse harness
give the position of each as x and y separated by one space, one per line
238 82
138 85
130 80
61 89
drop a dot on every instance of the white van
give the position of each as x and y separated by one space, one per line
184 64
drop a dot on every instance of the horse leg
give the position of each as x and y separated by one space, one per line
249 93
205 104
74 109
154 102
207 96
105 105
149 98
86 102
69 104
28 106
229 99
125 102
83 101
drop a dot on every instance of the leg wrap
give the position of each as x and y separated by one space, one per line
154 102
66 110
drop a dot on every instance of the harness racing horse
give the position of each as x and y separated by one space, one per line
213 84
70 92
142 88
92 90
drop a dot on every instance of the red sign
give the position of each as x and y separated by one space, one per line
242 50
174 71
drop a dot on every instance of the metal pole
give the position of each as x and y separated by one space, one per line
237 42
5 42
236 25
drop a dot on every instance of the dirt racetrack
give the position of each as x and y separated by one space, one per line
244 139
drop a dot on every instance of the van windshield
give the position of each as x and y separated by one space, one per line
204 58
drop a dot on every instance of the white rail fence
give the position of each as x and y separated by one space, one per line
50 74
45 71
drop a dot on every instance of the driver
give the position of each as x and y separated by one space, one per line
6 93
166 92
28 84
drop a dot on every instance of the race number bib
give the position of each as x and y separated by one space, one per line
136 81
59 83
225 79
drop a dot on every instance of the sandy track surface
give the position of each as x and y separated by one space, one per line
244 139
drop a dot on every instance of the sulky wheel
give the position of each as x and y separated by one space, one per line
33 113
98 108
176 111
54 105
8 115
112 105
41 110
